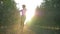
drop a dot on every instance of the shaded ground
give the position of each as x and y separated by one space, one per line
27 30
40 30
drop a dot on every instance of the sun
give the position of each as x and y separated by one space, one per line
29 15
30 5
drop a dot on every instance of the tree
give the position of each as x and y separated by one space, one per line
9 17
50 18
52 12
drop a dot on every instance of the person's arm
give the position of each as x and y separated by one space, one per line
21 11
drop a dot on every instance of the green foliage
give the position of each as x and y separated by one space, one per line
50 18
51 13
9 16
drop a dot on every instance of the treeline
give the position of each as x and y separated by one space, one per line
48 13
48 17
9 17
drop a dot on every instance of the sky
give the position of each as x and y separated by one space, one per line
30 5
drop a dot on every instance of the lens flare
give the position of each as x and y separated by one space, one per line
30 5
29 15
